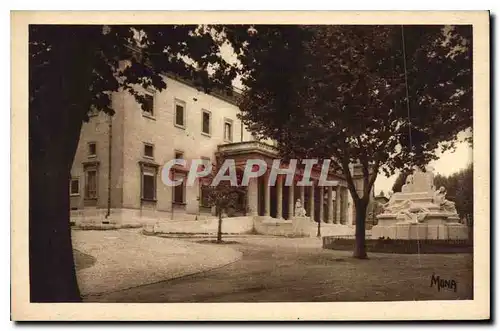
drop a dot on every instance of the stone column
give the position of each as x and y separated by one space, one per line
337 205
311 203
330 205
321 201
267 197
348 205
291 203
253 197
279 197
302 196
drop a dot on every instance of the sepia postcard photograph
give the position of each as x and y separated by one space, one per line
283 166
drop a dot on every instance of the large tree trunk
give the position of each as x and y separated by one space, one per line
360 247
53 138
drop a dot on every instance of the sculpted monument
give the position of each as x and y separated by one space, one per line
419 211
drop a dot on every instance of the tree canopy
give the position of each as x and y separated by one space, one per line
382 96
460 189
74 69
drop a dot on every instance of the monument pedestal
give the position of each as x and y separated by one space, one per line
301 226
421 231
419 212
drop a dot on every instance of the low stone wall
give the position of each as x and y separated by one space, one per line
401 246
273 227
421 231
94 218
125 218
336 229
298 227
230 225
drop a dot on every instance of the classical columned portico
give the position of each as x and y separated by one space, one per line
277 201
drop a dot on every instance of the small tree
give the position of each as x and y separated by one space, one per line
223 196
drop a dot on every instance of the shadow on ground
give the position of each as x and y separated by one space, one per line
274 270
82 260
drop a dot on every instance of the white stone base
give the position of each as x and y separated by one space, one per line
301 226
329 229
298 227
421 231
232 225
130 217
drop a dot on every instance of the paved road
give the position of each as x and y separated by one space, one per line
280 269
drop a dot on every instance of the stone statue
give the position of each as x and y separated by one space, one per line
429 175
392 207
299 210
414 214
440 199
408 183
419 211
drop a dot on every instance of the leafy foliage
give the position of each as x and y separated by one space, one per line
460 189
73 70
89 62
340 93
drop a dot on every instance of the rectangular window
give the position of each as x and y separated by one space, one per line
205 125
148 185
180 190
180 108
91 184
179 155
228 130
204 193
148 150
74 187
92 149
148 106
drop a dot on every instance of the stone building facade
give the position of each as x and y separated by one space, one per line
116 173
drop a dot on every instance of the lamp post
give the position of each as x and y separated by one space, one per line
334 198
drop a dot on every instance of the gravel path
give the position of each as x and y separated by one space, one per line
126 259
297 270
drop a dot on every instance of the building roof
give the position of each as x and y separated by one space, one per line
231 97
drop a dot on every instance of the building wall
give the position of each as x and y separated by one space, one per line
96 130
131 130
